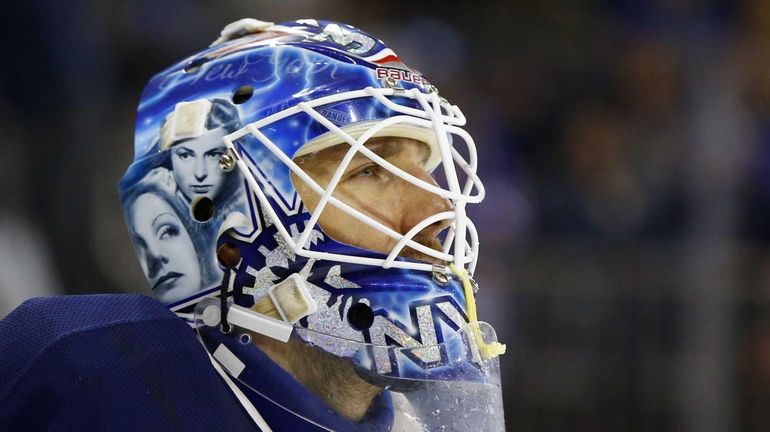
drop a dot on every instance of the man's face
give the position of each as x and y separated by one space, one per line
376 192
196 164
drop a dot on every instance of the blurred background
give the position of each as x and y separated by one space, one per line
625 148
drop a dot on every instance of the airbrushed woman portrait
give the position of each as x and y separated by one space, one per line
192 134
169 257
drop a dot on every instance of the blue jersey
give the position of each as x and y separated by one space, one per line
109 363
125 362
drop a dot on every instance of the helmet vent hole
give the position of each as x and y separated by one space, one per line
203 209
360 316
242 94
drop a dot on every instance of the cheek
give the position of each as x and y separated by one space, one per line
371 197
213 170
176 161
181 170
378 200
180 250
143 260
349 230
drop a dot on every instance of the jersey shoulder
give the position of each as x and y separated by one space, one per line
107 362
40 323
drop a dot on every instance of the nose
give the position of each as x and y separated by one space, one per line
201 171
155 262
420 204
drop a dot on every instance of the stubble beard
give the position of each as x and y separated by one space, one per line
331 378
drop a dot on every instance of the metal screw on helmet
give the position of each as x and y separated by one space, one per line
227 162
432 89
228 255
244 339
391 82
440 275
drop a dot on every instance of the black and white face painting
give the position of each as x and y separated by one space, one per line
195 165
166 251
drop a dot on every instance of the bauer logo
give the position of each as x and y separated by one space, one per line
401 75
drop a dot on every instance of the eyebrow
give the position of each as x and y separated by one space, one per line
180 147
156 217
216 149
386 149
383 149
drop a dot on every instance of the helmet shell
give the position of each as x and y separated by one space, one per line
184 113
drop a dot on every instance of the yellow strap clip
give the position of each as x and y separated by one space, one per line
493 349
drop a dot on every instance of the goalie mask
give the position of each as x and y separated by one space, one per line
240 214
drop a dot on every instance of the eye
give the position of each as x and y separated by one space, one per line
167 231
184 154
215 154
371 170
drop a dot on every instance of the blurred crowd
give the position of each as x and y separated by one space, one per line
625 147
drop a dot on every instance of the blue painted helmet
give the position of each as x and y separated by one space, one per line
217 204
